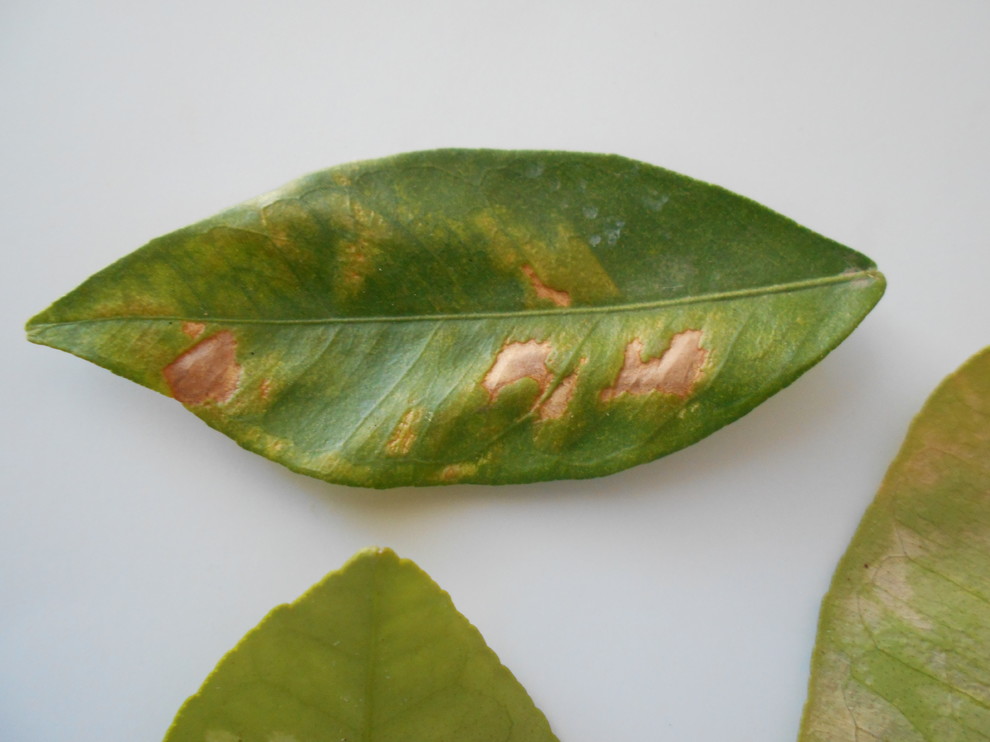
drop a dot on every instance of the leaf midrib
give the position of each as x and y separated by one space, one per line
870 274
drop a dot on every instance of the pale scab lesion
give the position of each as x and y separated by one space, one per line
404 434
354 259
891 580
892 577
529 360
543 291
457 472
265 389
358 255
206 372
676 371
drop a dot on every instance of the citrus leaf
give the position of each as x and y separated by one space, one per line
376 652
472 316
903 650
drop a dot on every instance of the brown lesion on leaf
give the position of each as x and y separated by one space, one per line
518 361
555 406
405 432
207 372
558 297
193 329
675 371
549 257
528 360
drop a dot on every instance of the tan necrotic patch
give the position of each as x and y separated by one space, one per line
555 406
518 361
675 371
207 372
528 360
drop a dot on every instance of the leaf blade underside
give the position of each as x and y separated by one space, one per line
375 652
472 316
904 633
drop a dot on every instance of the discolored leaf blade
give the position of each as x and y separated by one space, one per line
472 316
376 652
903 651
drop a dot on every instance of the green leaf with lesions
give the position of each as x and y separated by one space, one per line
903 651
376 652
472 316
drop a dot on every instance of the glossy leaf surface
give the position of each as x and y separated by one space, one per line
374 653
472 316
903 652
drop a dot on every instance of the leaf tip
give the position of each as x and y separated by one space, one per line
871 278
377 554
34 325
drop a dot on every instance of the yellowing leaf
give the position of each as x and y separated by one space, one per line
472 316
903 652
374 653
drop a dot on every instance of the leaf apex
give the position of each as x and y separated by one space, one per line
34 322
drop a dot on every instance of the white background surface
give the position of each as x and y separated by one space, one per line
674 601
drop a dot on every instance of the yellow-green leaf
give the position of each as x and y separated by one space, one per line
903 652
376 652
472 316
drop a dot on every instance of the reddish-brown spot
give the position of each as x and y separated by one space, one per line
265 388
675 372
207 372
558 297
193 329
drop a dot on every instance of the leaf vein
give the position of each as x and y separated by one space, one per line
759 291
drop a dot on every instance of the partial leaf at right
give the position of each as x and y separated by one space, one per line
903 651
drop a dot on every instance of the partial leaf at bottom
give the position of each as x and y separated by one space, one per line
374 653
903 651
